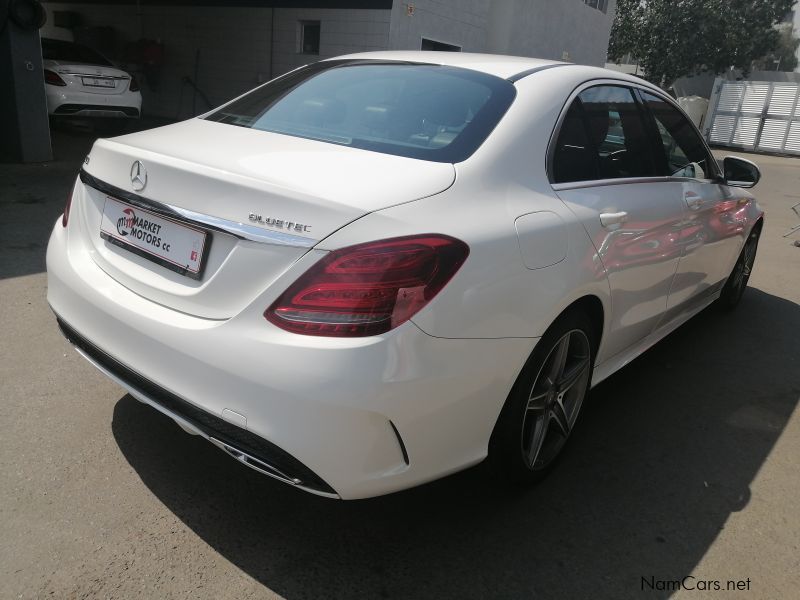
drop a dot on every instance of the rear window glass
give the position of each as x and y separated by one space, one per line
74 53
428 112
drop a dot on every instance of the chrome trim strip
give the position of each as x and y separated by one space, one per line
242 231
574 185
116 77
254 463
636 88
266 468
245 231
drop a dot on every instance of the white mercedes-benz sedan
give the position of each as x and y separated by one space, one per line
80 82
380 269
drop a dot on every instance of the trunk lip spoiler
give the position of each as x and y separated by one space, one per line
243 231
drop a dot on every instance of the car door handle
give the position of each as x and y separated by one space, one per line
693 201
610 219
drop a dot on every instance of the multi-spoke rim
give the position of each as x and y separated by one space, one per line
555 399
745 264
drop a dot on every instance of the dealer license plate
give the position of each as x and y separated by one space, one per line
98 82
165 241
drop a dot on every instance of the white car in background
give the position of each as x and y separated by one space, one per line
80 82
379 269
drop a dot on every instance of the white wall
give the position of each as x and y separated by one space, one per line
550 28
461 23
342 31
538 28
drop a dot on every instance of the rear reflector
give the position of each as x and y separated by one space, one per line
370 288
53 78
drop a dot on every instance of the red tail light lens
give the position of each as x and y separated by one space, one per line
134 86
53 78
67 206
370 288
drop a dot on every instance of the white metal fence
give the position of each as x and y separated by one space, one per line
754 115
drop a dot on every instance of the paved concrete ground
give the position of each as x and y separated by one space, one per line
684 463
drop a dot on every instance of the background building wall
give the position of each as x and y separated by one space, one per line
462 23
556 29
342 31
561 30
225 50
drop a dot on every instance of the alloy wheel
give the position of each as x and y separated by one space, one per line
744 266
555 399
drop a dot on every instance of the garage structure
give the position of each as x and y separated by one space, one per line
191 56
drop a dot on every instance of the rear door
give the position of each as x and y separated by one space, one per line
714 220
603 169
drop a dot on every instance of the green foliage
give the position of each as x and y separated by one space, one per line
675 38
784 57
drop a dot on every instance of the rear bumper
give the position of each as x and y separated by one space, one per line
62 101
248 448
351 418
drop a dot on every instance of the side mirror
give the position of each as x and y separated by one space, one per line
740 172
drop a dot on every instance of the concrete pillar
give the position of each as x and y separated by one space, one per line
24 128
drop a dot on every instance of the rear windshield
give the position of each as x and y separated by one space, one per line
74 53
420 111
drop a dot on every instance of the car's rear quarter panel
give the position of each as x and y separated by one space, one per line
495 295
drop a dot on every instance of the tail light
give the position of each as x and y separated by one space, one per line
67 206
370 288
53 78
134 85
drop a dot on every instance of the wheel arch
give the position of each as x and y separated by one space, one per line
593 307
589 306
758 226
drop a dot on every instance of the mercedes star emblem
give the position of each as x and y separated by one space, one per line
138 176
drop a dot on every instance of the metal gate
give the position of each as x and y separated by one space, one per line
755 115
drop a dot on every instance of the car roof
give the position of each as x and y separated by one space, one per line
505 67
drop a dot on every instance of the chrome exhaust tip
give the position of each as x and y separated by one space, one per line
255 463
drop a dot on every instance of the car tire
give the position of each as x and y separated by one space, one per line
545 402
736 283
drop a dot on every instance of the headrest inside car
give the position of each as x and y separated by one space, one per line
321 111
376 116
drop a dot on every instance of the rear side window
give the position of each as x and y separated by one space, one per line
682 152
429 112
603 136
574 159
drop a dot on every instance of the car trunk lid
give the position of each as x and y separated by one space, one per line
93 79
263 199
